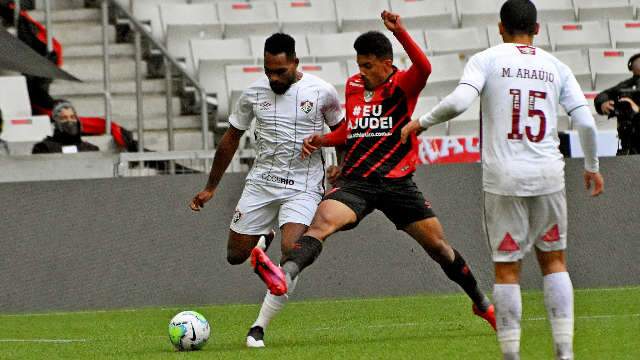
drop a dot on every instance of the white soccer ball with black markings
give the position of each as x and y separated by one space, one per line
188 331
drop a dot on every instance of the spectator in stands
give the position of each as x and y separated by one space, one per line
622 102
4 149
66 134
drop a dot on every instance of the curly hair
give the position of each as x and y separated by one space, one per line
374 43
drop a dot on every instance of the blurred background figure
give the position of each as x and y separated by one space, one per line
66 134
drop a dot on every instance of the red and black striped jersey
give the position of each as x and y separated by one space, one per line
374 120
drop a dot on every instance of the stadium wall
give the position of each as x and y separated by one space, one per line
131 242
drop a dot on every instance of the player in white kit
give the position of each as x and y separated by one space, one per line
288 106
520 87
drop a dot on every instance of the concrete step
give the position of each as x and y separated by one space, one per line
61 4
57 16
90 69
184 140
81 33
185 122
154 106
115 51
66 88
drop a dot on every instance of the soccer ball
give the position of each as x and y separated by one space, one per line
189 330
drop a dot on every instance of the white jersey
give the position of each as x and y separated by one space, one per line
520 88
282 123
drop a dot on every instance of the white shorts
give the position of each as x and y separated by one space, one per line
513 224
260 205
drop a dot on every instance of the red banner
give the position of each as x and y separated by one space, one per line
449 149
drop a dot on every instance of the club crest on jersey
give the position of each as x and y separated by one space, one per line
527 50
265 105
368 95
306 106
236 216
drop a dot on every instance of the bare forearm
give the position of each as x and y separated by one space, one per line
223 156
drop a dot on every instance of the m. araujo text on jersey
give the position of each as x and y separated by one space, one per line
283 121
520 88
375 118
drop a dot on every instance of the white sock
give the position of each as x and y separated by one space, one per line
558 299
271 305
508 303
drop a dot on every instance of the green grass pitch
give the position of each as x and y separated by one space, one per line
417 327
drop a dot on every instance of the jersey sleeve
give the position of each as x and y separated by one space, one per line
475 72
331 109
243 114
571 95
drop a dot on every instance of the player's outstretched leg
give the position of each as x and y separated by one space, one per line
429 234
273 304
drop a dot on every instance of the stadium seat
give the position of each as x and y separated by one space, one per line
541 40
465 41
423 106
625 34
578 62
182 23
477 13
148 12
332 47
604 9
331 72
401 59
21 133
14 97
307 16
555 10
243 19
423 14
609 67
238 78
360 15
447 70
302 50
578 36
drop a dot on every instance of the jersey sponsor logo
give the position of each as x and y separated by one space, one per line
367 117
552 235
236 216
508 244
264 106
306 106
277 179
531 74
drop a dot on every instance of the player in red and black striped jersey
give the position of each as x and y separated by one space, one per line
377 167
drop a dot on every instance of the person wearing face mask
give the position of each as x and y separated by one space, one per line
623 102
66 134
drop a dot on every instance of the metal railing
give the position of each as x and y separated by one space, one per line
169 63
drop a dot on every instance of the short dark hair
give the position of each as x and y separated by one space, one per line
519 17
374 43
280 43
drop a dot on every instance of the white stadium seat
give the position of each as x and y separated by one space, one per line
426 14
245 19
541 40
178 37
332 72
604 9
307 16
609 66
400 58
578 36
625 34
238 78
578 62
21 133
302 50
478 12
361 15
555 10
148 12
466 41
447 70
332 47
14 97
423 106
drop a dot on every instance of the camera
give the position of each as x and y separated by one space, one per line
622 109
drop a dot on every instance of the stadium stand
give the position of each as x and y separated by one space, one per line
625 34
422 14
609 66
401 59
360 15
578 35
424 105
578 62
603 9
307 16
332 47
302 50
148 11
466 41
541 40
468 123
245 19
477 13
555 10
446 72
